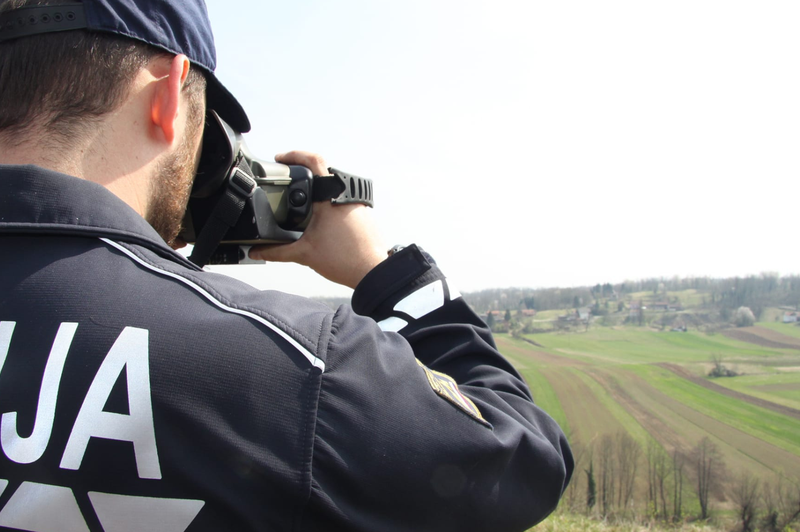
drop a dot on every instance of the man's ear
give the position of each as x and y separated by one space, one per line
166 99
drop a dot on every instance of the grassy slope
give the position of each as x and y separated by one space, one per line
775 428
783 328
575 523
545 396
781 388
688 298
641 346
688 410
622 416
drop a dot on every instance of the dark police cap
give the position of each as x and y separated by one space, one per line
179 27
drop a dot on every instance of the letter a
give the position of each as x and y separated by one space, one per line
129 352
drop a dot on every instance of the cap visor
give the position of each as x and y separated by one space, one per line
227 107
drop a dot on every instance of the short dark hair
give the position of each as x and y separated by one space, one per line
63 82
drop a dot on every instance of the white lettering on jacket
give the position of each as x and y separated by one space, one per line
129 353
49 508
28 450
45 508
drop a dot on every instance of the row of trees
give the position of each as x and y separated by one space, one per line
756 292
768 506
615 478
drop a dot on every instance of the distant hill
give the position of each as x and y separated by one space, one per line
698 302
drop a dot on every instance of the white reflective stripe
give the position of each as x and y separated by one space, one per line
123 513
423 301
315 361
455 293
3 485
43 508
392 324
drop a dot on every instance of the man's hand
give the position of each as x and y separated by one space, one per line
340 243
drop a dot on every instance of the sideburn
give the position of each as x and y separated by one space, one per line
172 185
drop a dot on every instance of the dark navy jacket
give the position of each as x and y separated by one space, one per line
138 392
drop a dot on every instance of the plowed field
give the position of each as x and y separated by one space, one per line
643 382
763 337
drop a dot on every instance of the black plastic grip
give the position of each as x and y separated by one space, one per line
356 189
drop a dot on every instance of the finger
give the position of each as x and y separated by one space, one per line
312 161
275 252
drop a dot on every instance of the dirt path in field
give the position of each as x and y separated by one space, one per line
588 416
646 417
535 355
763 337
788 387
763 403
531 342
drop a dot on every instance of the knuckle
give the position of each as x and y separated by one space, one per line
317 161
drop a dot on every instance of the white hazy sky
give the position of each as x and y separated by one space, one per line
533 143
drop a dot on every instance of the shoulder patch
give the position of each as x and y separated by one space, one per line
446 387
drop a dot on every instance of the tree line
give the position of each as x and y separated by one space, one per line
755 292
617 479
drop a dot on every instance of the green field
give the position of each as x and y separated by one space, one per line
781 388
651 385
783 328
687 298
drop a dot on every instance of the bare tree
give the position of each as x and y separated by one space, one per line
579 454
608 474
591 486
628 451
709 472
678 463
781 504
719 369
587 457
745 494
657 474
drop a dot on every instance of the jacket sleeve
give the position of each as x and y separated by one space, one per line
430 429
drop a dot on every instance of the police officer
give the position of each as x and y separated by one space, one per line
138 392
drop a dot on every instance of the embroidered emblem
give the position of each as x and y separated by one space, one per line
446 387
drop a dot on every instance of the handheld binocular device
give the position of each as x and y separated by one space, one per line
238 200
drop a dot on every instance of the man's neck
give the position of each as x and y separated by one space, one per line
35 152
93 159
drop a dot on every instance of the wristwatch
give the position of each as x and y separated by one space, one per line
395 249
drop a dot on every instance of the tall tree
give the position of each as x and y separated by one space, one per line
678 461
745 495
628 452
658 471
709 472
781 504
591 486
608 474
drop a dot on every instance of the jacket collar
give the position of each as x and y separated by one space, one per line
34 200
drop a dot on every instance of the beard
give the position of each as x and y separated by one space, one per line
170 190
